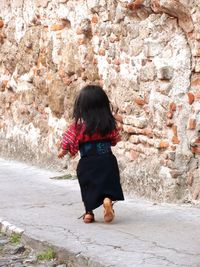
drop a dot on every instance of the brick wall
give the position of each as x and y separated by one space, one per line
146 54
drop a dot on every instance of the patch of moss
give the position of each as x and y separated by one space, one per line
15 238
64 177
46 255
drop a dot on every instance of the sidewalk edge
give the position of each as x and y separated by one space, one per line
71 258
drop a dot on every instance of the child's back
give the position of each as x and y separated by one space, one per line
93 133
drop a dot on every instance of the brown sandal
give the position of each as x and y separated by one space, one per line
109 213
88 217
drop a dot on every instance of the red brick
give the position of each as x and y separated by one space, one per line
175 140
195 81
170 123
2 36
94 19
67 81
169 115
140 101
190 98
57 27
2 124
147 132
191 124
117 62
174 129
95 61
172 107
40 108
1 23
102 52
4 83
135 5
196 141
196 150
163 144
46 28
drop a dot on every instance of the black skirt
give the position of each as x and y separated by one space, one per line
98 178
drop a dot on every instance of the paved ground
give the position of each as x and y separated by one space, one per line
143 234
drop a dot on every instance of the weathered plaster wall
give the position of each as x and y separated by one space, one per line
146 54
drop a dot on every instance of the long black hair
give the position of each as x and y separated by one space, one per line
92 107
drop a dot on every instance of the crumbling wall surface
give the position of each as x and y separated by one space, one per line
146 54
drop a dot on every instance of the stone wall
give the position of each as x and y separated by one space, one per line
146 54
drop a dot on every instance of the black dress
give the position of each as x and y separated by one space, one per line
98 176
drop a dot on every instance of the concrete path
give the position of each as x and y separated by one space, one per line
143 234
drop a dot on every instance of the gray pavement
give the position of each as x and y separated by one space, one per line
142 234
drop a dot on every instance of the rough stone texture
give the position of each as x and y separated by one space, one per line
146 54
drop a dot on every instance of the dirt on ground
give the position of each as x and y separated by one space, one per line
13 253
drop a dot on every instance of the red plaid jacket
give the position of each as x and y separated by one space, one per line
75 136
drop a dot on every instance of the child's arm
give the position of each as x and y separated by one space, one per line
61 154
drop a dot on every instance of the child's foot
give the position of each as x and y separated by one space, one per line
108 210
88 217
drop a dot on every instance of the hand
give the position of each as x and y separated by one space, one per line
61 154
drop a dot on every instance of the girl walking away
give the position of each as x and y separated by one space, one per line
93 133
